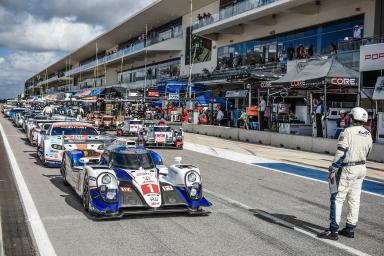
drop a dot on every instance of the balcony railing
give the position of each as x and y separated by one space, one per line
173 33
231 11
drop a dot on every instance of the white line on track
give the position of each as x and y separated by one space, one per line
1 238
250 160
277 220
43 243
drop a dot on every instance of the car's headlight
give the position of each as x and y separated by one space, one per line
106 179
108 187
101 147
193 192
191 177
57 146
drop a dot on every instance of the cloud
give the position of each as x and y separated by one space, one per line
39 32
57 34
56 25
18 66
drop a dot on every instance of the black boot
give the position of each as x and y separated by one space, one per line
348 232
329 234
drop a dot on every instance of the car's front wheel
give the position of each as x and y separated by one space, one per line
87 202
63 172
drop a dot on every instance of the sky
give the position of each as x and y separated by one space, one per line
36 33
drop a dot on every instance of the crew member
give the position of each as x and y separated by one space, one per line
342 123
262 106
47 110
219 116
348 171
319 116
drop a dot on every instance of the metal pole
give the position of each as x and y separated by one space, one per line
190 53
325 109
250 95
145 61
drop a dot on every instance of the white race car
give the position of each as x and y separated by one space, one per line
67 136
133 180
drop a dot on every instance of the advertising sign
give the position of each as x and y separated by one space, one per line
372 57
153 94
173 96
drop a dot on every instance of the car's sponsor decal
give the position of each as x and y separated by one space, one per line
167 188
126 189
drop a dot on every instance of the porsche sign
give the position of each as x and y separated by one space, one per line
372 57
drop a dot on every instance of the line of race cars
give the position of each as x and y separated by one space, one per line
113 175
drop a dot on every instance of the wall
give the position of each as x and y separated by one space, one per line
306 143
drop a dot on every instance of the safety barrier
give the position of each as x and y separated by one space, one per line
306 143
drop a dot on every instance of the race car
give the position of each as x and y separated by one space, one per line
33 127
107 122
95 117
161 136
130 127
133 180
67 136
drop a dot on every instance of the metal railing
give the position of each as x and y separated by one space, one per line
176 32
231 11
351 44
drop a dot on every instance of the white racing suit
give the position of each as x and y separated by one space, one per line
353 147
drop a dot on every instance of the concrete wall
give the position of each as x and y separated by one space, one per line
306 143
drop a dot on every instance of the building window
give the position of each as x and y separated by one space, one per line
301 43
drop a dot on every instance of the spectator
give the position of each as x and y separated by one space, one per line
357 32
310 50
333 48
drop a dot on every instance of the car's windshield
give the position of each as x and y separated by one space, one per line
135 122
74 130
132 161
107 118
162 129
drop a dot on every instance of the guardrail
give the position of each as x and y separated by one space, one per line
306 143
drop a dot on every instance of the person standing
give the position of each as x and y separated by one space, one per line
319 115
348 171
219 116
262 107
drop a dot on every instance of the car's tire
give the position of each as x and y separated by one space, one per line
63 172
86 198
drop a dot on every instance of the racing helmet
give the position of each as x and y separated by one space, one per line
359 114
343 111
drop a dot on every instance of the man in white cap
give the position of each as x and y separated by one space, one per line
348 171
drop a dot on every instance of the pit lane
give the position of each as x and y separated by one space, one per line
229 230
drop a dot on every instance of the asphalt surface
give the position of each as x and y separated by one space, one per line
229 230
16 236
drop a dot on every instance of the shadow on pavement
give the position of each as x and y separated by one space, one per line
287 221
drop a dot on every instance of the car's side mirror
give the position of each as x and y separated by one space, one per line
178 159
162 170
84 160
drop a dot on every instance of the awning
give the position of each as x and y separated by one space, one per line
179 87
96 92
83 93
378 94
206 98
236 94
319 72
